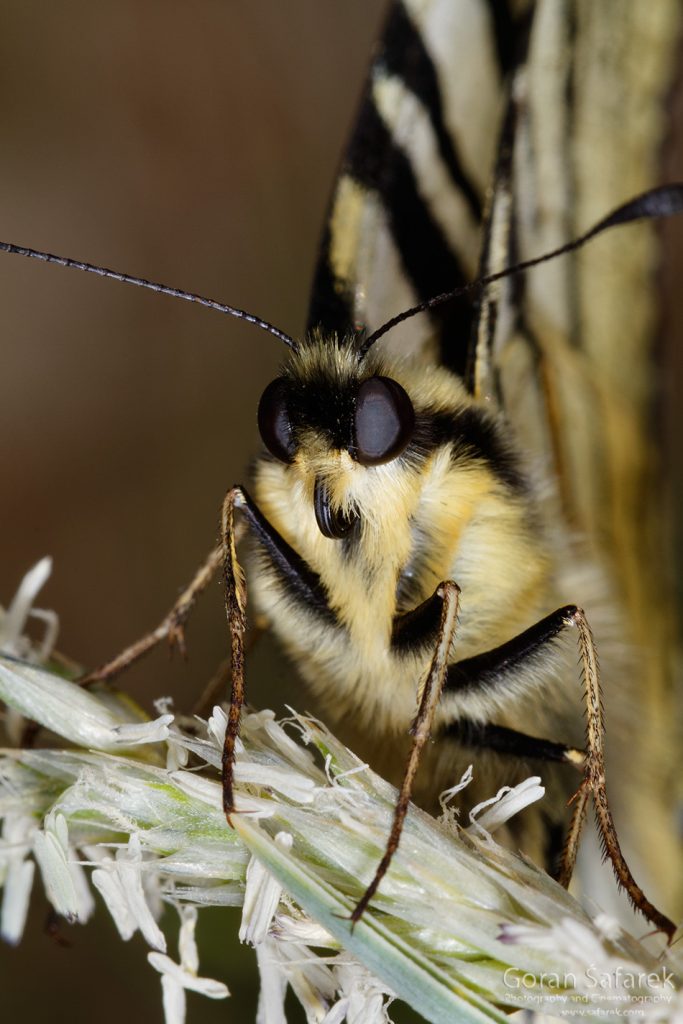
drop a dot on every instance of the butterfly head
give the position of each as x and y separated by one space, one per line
334 418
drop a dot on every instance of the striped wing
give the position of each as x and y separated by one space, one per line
533 121
405 218
569 350
490 133
573 358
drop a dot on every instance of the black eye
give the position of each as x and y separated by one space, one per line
384 421
273 422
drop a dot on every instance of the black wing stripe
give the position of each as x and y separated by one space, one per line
403 54
503 34
430 258
378 164
330 305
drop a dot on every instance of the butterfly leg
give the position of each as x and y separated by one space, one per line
235 608
290 567
501 740
493 670
446 595
594 785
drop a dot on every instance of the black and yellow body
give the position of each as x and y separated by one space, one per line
356 611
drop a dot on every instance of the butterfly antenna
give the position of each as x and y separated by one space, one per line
664 201
154 286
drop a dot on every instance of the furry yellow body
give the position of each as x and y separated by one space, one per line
445 514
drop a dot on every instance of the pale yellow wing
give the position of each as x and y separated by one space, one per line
571 355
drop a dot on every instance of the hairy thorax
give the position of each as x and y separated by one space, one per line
450 509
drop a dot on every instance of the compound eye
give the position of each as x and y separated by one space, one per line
273 422
384 421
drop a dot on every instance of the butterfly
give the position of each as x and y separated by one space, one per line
520 467
524 472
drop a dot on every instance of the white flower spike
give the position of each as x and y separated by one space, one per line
261 897
13 622
120 883
14 639
177 978
63 877
17 872
489 815
461 928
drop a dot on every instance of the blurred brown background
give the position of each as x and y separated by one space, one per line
194 144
